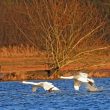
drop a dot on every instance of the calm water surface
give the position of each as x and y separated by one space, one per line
18 96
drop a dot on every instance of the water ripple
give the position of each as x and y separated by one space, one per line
17 96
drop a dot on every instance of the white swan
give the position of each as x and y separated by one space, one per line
82 78
46 85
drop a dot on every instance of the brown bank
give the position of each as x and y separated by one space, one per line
40 72
30 68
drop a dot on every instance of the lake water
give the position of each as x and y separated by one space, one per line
18 96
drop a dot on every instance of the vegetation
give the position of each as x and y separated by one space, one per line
19 51
65 32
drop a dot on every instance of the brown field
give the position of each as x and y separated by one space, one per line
73 35
28 68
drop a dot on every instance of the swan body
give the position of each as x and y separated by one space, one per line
82 78
47 86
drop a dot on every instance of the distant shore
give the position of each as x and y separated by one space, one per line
43 74
33 68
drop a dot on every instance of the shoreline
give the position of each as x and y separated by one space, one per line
32 68
43 75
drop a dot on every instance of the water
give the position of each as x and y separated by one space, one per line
18 96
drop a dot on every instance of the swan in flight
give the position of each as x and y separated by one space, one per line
82 78
46 85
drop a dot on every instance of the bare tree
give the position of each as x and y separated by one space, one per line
68 30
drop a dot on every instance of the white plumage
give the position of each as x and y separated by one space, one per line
82 78
45 85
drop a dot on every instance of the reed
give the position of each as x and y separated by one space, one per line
19 51
66 31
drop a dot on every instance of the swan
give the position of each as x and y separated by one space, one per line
82 78
47 86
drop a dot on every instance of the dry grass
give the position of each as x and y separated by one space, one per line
62 33
20 51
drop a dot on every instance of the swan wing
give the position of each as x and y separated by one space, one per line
34 88
92 88
47 85
69 77
50 87
82 79
32 83
83 74
77 84
90 81
55 89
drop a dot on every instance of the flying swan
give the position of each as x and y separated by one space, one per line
47 86
82 78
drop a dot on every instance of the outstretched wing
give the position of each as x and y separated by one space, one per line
92 88
50 87
35 85
69 77
47 85
90 82
32 83
34 88
77 84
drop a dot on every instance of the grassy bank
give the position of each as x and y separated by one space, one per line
43 75
27 63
